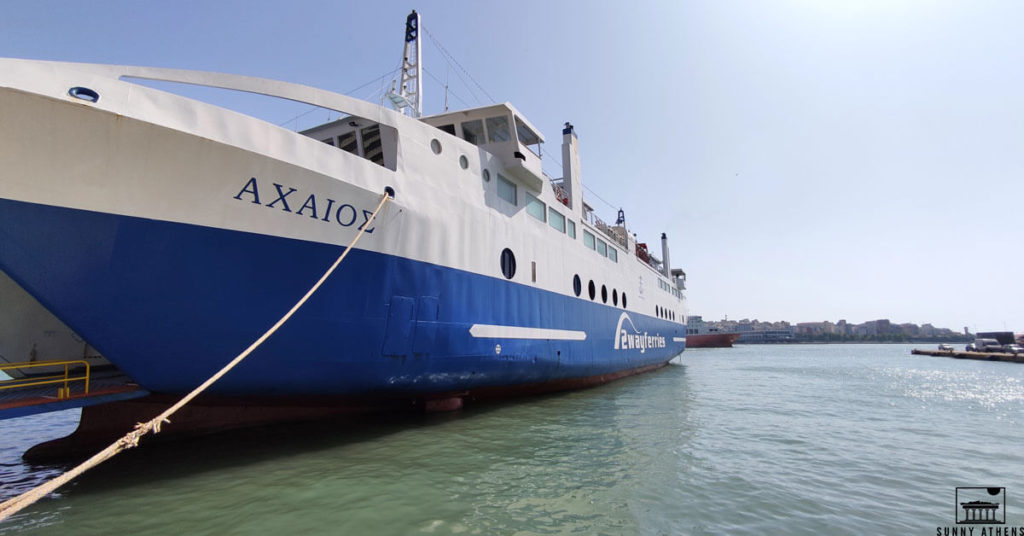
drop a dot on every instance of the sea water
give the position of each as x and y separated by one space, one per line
775 439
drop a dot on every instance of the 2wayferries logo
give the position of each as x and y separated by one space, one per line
980 511
625 340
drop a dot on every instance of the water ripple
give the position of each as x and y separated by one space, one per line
753 440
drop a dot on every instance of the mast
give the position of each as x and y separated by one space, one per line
408 98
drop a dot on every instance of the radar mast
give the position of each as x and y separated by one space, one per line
408 96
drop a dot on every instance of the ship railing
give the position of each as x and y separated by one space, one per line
560 193
607 230
62 380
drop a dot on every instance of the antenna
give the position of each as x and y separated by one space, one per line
408 99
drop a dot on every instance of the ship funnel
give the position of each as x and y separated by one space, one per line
665 266
571 185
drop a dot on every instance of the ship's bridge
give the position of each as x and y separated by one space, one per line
500 130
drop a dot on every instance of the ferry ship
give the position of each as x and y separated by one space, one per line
699 335
171 233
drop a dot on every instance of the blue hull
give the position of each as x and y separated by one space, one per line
171 303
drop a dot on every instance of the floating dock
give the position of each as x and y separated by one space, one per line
981 356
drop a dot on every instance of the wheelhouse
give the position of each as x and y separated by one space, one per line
502 131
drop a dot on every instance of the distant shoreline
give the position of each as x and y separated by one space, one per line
928 341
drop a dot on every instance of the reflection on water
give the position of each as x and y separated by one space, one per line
780 439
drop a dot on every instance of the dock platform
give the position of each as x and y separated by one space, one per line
106 387
981 356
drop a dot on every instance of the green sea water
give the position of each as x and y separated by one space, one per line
785 439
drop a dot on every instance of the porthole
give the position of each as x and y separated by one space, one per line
623 300
435 146
84 93
463 162
604 294
577 285
508 263
592 289
615 297
487 176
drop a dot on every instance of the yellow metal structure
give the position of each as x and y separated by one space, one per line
63 392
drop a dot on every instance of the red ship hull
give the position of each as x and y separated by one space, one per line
711 340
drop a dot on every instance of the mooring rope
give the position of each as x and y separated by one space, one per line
131 439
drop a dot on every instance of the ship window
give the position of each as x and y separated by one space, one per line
535 207
602 248
588 239
448 128
508 263
463 162
613 254
591 289
372 150
615 297
623 300
604 294
473 131
571 229
527 136
506 190
329 141
556 220
486 175
435 146
497 129
577 285
348 142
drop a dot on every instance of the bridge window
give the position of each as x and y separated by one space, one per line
527 137
497 129
506 189
602 248
613 254
448 128
473 131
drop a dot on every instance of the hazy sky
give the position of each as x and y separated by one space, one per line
809 160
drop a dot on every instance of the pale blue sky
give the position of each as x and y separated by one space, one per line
810 160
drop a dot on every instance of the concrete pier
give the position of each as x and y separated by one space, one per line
981 356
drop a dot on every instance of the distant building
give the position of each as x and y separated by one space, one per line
766 336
